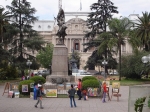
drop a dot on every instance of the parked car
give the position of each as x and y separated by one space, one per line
100 73
83 72
43 72
35 72
113 73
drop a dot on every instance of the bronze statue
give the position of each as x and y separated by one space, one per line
61 33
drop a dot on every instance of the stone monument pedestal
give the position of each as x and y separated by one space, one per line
60 66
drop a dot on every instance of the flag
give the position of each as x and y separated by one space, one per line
80 5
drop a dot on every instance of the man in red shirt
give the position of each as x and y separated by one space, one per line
79 89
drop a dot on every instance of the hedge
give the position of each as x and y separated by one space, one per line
38 78
25 82
90 83
88 78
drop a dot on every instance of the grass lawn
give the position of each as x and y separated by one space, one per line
2 82
126 82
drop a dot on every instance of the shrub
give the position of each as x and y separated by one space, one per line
149 102
139 103
38 78
88 78
8 72
132 66
26 82
90 83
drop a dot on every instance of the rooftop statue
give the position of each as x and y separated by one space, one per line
61 33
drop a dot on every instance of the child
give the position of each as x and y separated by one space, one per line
84 92
39 96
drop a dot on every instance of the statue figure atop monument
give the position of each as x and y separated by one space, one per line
61 33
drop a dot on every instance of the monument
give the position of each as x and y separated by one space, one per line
60 60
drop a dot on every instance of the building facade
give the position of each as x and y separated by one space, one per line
76 28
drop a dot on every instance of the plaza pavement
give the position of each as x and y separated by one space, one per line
63 104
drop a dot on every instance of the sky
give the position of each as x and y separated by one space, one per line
48 9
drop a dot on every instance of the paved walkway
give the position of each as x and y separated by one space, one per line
63 104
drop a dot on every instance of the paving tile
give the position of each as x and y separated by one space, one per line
63 104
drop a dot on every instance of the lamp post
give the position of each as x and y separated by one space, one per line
50 69
29 63
105 63
146 59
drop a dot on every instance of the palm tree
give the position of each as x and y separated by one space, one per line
4 16
143 30
119 28
105 49
4 21
134 42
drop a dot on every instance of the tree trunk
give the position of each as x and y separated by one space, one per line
119 60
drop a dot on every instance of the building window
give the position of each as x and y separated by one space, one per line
49 26
76 46
76 26
39 26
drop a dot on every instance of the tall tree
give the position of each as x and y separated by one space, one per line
24 37
119 28
143 30
98 20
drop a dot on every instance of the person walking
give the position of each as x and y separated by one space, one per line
39 96
104 92
71 93
79 89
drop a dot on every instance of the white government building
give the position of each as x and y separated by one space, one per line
74 39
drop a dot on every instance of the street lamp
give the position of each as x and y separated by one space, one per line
145 59
105 63
29 63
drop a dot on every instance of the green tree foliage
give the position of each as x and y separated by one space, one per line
98 18
45 56
4 19
90 83
88 78
139 103
148 102
119 28
132 66
21 34
97 23
38 78
143 30
134 42
8 71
